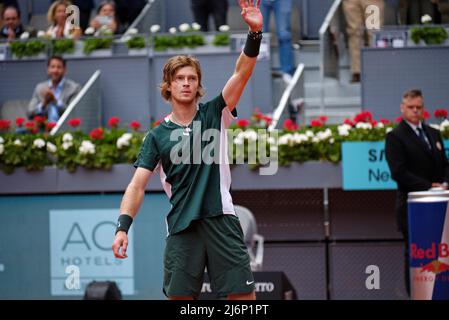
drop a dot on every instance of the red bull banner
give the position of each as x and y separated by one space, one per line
428 218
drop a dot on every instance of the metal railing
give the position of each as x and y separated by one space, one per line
293 98
148 16
86 105
332 44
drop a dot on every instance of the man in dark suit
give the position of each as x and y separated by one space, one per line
416 157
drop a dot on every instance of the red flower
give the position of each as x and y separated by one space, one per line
323 119
20 121
348 122
242 123
5 124
373 123
113 122
398 119
440 113
39 119
50 125
268 120
31 126
74 123
316 123
290 125
364 116
96 134
425 115
135 125
384 121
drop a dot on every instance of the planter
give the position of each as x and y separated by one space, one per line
138 52
78 51
40 56
100 53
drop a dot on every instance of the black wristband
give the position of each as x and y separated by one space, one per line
252 45
124 223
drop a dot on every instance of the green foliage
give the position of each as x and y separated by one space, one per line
93 44
189 40
62 46
27 48
221 39
137 42
430 35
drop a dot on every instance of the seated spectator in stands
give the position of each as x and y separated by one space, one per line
412 11
4 4
85 7
355 14
51 98
12 27
106 16
129 10
443 8
202 9
60 27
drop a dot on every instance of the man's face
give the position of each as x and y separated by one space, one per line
56 70
11 18
412 109
184 85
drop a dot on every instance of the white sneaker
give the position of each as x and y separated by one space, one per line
286 77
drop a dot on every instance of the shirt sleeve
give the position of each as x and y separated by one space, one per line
217 108
149 155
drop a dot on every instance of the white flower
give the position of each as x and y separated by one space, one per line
132 31
87 147
380 125
196 26
67 145
388 129
285 139
238 141
184 27
17 142
67 137
89 31
315 140
224 28
124 140
271 140
426 19
331 140
435 126
324 135
155 28
25 35
444 124
172 30
2 149
310 133
41 34
2 140
251 135
127 136
364 125
39 143
299 138
343 130
126 38
51 147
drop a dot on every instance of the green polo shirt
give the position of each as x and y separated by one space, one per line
196 188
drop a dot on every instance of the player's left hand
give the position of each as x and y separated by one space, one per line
251 14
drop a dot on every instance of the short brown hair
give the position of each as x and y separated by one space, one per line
412 93
174 64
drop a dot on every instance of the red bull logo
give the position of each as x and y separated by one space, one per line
435 251
435 267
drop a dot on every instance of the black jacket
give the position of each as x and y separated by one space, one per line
412 165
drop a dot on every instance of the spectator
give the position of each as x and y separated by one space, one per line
12 27
282 10
411 11
85 7
4 4
51 98
355 14
443 8
202 9
129 10
59 26
106 16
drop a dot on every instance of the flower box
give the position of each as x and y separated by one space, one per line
138 52
101 53
40 56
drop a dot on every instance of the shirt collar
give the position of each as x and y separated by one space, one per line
414 126
60 84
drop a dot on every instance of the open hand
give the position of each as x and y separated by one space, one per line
251 14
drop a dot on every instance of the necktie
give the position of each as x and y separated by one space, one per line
423 138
